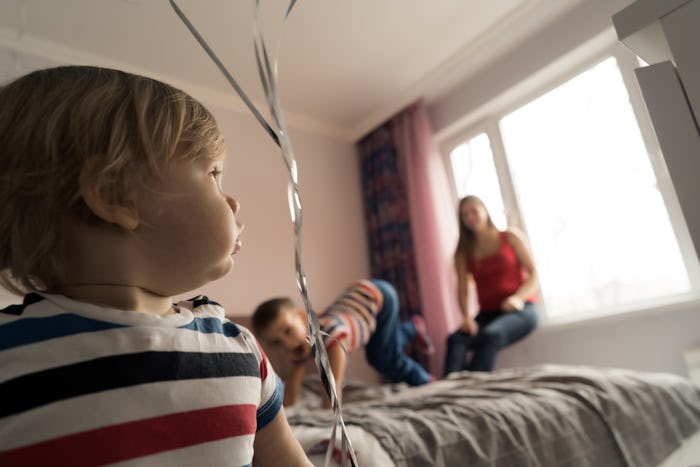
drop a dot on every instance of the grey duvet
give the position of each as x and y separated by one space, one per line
537 416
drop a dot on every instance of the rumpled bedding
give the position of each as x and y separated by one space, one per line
547 415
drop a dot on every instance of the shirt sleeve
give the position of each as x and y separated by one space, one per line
271 387
352 318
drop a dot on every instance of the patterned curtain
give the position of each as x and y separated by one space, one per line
387 217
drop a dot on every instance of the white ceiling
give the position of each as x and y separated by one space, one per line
344 65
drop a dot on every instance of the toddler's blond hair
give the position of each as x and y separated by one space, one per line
52 122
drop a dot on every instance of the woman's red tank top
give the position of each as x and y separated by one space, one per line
498 275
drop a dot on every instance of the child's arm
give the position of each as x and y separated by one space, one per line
275 444
293 385
338 361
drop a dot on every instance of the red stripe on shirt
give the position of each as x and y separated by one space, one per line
139 438
354 337
263 362
336 340
373 291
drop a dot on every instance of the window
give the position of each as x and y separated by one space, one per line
591 204
475 173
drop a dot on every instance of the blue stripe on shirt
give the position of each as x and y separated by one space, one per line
32 330
25 331
269 410
212 325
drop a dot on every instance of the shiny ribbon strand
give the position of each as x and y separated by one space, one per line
279 134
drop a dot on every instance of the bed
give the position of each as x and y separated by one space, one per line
536 416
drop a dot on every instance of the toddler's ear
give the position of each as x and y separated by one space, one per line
98 201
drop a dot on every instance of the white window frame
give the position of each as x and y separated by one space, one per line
546 80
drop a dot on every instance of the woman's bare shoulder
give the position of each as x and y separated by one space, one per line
513 233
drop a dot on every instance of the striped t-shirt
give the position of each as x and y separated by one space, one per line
85 385
352 318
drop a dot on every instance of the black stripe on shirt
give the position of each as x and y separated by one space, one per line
200 300
29 299
119 371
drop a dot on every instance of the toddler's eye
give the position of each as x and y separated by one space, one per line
215 175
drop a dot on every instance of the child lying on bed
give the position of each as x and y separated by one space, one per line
111 205
366 313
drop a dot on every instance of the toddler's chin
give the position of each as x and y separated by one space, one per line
223 268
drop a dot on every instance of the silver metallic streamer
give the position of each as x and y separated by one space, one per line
278 133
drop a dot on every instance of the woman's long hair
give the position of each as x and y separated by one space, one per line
467 237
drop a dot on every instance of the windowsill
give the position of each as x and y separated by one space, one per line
648 308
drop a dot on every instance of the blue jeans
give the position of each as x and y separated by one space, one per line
497 329
384 350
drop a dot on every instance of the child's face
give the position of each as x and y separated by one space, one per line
188 230
288 333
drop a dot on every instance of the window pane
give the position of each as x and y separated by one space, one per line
597 223
475 174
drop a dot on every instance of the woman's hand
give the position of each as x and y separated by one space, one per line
513 303
469 326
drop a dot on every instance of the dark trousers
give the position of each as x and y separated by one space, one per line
497 329
384 350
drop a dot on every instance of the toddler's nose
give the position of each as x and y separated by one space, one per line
235 207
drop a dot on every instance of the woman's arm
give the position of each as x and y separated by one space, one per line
463 280
531 284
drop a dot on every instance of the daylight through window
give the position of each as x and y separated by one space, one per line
594 214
